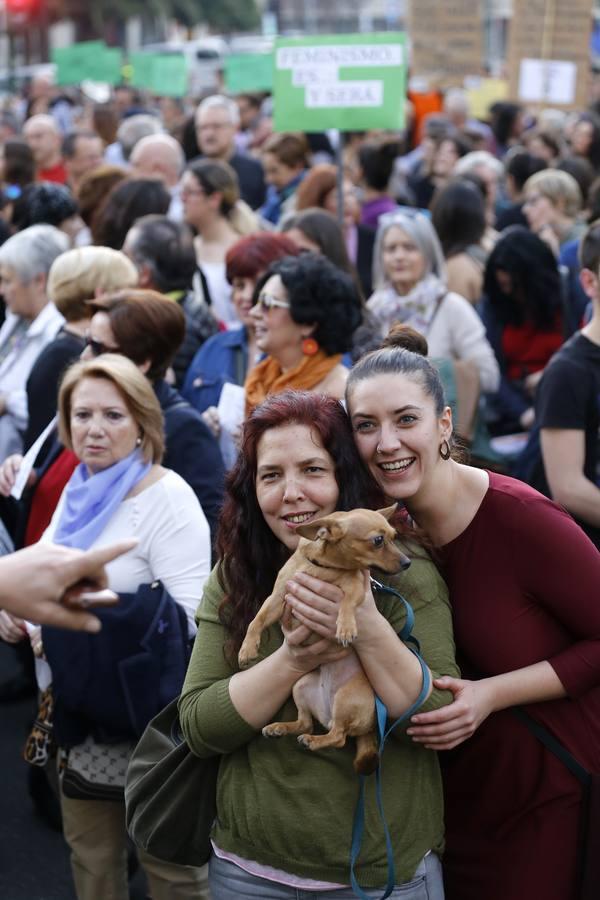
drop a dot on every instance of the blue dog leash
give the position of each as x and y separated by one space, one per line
358 826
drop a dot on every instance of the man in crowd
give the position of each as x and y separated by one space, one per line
44 138
160 156
217 122
82 152
568 407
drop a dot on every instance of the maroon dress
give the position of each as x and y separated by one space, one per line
524 585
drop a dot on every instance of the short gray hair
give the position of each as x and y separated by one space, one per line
469 163
420 230
134 128
32 251
220 101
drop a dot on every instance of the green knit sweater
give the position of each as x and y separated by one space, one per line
284 806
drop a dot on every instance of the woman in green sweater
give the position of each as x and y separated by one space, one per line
284 814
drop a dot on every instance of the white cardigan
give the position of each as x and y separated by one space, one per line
456 332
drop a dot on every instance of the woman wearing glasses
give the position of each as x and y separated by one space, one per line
147 328
304 318
210 194
228 356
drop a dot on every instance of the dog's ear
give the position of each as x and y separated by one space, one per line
321 529
388 512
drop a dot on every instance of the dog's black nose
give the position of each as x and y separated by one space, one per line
405 564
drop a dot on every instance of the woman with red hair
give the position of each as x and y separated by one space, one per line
229 355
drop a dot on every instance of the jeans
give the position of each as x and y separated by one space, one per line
226 881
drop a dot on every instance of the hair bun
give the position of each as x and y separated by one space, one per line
406 338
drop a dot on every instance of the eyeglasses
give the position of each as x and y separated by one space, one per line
268 301
98 348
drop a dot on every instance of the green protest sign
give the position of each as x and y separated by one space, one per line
141 63
248 72
74 63
351 82
165 74
89 60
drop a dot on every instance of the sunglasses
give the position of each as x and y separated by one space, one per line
98 348
268 301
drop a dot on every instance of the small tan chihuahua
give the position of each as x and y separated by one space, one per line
336 548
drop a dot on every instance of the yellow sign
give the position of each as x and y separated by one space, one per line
484 94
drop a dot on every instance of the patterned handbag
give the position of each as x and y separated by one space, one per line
39 745
93 771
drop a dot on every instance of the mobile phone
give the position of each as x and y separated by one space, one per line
89 599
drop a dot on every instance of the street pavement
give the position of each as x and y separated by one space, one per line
34 860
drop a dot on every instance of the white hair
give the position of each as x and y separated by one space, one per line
162 140
41 119
456 100
220 101
32 251
469 163
134 128
420 230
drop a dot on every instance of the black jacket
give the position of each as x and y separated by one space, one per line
251 177
192 451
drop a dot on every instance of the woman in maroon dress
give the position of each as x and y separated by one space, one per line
524 586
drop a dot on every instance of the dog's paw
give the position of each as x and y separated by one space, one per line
306 740
273 730
346 634
246 655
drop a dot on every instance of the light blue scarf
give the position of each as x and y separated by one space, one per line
91 500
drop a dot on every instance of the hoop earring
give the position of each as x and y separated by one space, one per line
445 451
309 346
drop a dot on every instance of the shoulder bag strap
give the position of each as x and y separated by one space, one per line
554 746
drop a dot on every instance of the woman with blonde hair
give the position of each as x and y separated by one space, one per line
110 418
210 195
552 205
75 277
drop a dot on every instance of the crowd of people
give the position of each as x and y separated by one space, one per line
211 337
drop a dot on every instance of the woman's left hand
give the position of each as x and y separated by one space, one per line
315 603
445 728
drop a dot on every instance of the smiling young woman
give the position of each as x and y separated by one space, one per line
522 634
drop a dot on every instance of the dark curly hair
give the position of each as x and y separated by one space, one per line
250 554
536 282
320 292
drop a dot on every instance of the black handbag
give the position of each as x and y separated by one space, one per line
589 823
170 794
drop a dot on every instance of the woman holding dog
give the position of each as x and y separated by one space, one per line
284 813
525 634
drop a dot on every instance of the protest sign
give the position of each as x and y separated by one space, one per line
248 72
349 82
483 92
548 52
165 74
88 60
446 41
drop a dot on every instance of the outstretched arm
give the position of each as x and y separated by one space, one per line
49 584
